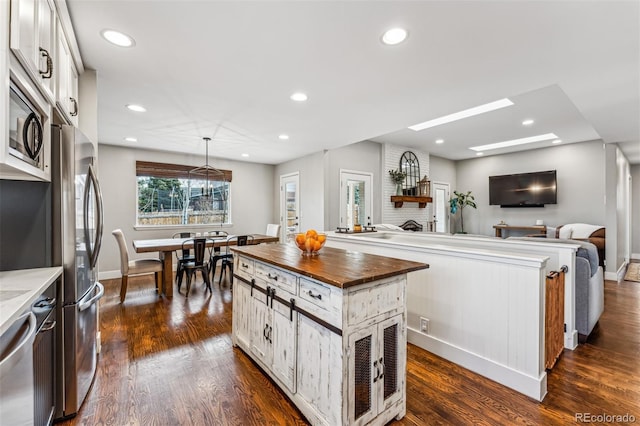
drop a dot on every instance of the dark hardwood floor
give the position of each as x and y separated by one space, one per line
171 362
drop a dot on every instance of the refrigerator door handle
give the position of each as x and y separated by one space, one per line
83 305
95 250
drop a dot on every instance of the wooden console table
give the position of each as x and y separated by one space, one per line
541 229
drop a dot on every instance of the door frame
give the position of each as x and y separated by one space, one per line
356 175
284 179
447 187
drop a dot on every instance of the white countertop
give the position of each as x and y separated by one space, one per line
20 288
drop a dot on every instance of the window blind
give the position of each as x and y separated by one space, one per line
176 171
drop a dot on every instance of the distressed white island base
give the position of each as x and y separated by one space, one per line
330 330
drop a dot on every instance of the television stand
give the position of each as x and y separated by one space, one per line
541 229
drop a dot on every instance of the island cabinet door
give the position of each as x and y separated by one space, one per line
319 371
241 314
376 370
261 328
283 340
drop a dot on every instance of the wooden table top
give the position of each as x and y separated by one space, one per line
173 244
337 267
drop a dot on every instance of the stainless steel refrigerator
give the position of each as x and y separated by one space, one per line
77 224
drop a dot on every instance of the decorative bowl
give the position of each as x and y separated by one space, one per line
310 242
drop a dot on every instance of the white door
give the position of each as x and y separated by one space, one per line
289 206
440 195
356 199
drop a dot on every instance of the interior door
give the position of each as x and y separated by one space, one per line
289 206
356 199
440 195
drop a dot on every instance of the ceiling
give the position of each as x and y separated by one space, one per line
226 70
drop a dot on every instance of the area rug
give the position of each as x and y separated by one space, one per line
633 272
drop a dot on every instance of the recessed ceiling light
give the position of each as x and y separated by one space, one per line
439 141
514 142
245 155
299 97
557 141
117 38
481 109
136 108
130 139
527 122
283 137
479 153
394 36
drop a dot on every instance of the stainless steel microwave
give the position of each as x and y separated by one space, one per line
26 128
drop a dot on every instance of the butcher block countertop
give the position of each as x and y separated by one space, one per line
337 267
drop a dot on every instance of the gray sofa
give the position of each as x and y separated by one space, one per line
589 295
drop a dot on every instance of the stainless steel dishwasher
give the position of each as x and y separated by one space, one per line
16 372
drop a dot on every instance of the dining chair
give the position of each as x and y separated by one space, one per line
200 262
227 257
184 255
272 229
135 267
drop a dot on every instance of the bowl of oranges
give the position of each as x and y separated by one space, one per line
310 242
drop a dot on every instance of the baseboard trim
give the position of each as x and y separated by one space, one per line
617 276
635 256
571 340
109 275
534 387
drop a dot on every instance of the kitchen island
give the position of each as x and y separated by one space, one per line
329 329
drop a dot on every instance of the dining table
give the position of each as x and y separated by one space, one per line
166 246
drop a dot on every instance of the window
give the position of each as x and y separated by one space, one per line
169 195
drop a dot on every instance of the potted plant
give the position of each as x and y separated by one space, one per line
398 176
458 202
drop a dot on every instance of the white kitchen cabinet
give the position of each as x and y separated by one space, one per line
375 374
32 40
67 80
272 334
336 348
241 321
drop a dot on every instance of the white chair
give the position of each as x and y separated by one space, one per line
272 229
135 267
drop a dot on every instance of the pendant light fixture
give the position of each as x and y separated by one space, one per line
207 173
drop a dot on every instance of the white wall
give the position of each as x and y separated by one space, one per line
442 170
581 186
252 197
617 209
363 157
312 189
635 211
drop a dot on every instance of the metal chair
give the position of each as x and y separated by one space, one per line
186 254
199 263
227 257
135 267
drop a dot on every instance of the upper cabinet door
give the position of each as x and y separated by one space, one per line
67 80
33 25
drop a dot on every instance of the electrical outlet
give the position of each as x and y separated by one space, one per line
424 325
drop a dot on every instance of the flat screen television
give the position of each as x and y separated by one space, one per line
523 190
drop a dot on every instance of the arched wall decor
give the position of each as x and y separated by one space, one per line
411 166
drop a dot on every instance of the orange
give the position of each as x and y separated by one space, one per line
309 244
312 233
317 246
300 238
321 238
